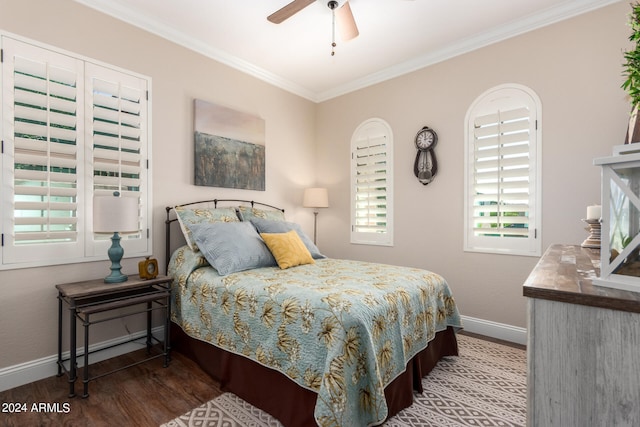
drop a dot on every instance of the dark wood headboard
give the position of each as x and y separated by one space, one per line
172 218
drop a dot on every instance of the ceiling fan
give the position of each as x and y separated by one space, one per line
346 23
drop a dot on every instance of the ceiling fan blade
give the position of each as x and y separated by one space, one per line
346 23
288 10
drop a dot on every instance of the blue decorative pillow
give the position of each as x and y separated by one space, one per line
188 216
266 226
247 213
231 247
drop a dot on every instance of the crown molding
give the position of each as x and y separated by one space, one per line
515 28
125 14
566 10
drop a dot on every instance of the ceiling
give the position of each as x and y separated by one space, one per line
396 36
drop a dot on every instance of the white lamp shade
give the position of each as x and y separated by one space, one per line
113 213
315 198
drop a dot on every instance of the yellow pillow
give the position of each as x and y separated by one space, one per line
287 248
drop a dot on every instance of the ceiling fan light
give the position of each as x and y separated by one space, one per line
346 23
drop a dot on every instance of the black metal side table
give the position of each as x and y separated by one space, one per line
85 299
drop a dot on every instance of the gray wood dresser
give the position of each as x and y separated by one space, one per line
583 346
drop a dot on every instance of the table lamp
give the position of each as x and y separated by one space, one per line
115 214
315 198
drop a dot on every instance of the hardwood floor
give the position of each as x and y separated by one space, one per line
143 395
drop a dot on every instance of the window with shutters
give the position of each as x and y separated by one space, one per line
72 128
372 183
502 172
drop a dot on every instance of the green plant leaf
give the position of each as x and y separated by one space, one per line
631 66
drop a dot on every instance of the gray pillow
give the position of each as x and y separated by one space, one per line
232 246
267 226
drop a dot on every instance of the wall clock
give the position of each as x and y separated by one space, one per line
425 166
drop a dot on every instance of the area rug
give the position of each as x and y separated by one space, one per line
485 385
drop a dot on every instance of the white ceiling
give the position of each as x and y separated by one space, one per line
396 36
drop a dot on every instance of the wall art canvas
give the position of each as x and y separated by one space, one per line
229 148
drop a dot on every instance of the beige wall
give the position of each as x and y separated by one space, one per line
574 67
28 307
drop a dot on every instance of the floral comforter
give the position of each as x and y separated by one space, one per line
343 329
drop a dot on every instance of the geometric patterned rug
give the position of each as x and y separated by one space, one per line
486 385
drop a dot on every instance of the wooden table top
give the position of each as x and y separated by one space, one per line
89 288
565 273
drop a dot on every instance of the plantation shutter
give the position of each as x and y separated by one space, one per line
116 117
116 138
42 93
502 175
72 129
502 170
371 184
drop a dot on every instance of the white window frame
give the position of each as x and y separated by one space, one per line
492 109
376 134
80 243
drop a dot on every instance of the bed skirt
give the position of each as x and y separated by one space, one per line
291 404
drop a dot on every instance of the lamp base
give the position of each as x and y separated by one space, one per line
116 277
315 226
115 255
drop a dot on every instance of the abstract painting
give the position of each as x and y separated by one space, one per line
229 148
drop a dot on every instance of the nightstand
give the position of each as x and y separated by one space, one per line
91 297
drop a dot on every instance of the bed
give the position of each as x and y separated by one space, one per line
309 339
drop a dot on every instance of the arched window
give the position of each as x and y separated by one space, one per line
372 183
502 172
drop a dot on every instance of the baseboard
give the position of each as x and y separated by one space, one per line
25 373
495 330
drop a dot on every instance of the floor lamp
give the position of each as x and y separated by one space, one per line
315 198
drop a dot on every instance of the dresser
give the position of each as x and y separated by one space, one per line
583 349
